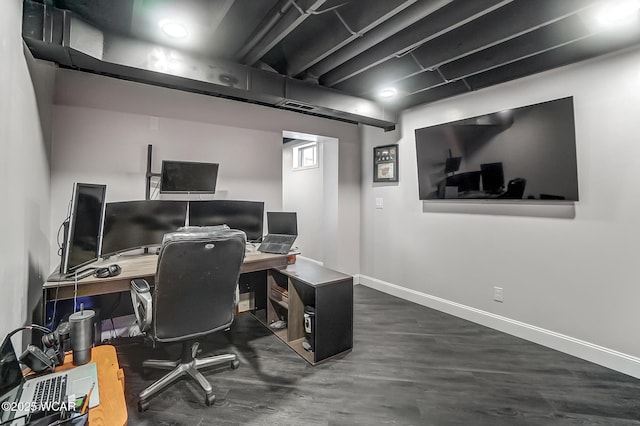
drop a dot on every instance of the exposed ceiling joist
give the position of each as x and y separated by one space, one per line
420 50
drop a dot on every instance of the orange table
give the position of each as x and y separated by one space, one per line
112 409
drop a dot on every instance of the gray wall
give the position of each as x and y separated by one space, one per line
24 172
102 127
568 272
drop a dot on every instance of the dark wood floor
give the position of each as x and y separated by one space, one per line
411 366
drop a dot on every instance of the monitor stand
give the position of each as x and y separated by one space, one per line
83 273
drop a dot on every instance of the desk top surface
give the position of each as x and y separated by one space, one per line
313 273
112 409
140 265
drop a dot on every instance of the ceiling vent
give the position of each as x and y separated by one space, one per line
297 105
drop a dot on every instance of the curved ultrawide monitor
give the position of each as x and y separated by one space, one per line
246 216
131 225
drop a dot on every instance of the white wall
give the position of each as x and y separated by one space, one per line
24 172
570 283
102 127
313 194
302 193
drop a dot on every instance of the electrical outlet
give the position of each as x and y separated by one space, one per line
497 294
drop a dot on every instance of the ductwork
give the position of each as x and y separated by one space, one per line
59 36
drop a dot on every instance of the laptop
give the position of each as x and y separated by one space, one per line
53 389
282 232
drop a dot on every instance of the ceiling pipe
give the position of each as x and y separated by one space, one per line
265 26
358 44
286 23
435 66
401 42
301 63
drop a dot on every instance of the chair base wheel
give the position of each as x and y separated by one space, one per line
235 364
209 400
143 406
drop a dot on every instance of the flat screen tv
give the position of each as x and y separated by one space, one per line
246 216
518 154
131 225
83 234
185 177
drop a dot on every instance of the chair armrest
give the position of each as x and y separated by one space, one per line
140 285
142 303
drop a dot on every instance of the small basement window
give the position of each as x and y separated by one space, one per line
305 156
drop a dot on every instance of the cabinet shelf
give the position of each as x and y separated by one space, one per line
329 292
280 303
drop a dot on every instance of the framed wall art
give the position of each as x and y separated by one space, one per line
385 163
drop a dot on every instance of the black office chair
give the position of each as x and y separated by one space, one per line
195 294
515 189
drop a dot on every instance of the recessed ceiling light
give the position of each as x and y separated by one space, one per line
173 29
619 12
388 92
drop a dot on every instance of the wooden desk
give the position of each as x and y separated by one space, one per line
142 266
112 409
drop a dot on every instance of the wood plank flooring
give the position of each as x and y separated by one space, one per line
410 366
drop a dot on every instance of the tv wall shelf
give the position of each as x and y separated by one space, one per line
306 283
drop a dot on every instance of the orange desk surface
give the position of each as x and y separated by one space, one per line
112 409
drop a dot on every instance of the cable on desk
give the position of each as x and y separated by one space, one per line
55 304
75 291
66 219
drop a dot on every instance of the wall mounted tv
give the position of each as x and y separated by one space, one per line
517 154
186 177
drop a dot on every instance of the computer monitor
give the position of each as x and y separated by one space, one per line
283 223
131 225
492 177
466 182
185 177
244 215
83 234
452 164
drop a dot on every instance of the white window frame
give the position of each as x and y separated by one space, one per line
299 156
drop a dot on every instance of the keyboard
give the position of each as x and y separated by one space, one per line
50 390
274 248
278 239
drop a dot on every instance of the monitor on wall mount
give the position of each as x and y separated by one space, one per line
186 177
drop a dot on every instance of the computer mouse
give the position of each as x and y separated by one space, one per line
110 271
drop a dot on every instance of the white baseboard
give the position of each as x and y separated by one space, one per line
606 357
311 260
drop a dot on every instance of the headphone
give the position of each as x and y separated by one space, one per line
109 271
39 360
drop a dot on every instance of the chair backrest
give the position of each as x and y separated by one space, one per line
195 283
516 187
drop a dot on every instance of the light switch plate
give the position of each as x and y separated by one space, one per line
379 203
